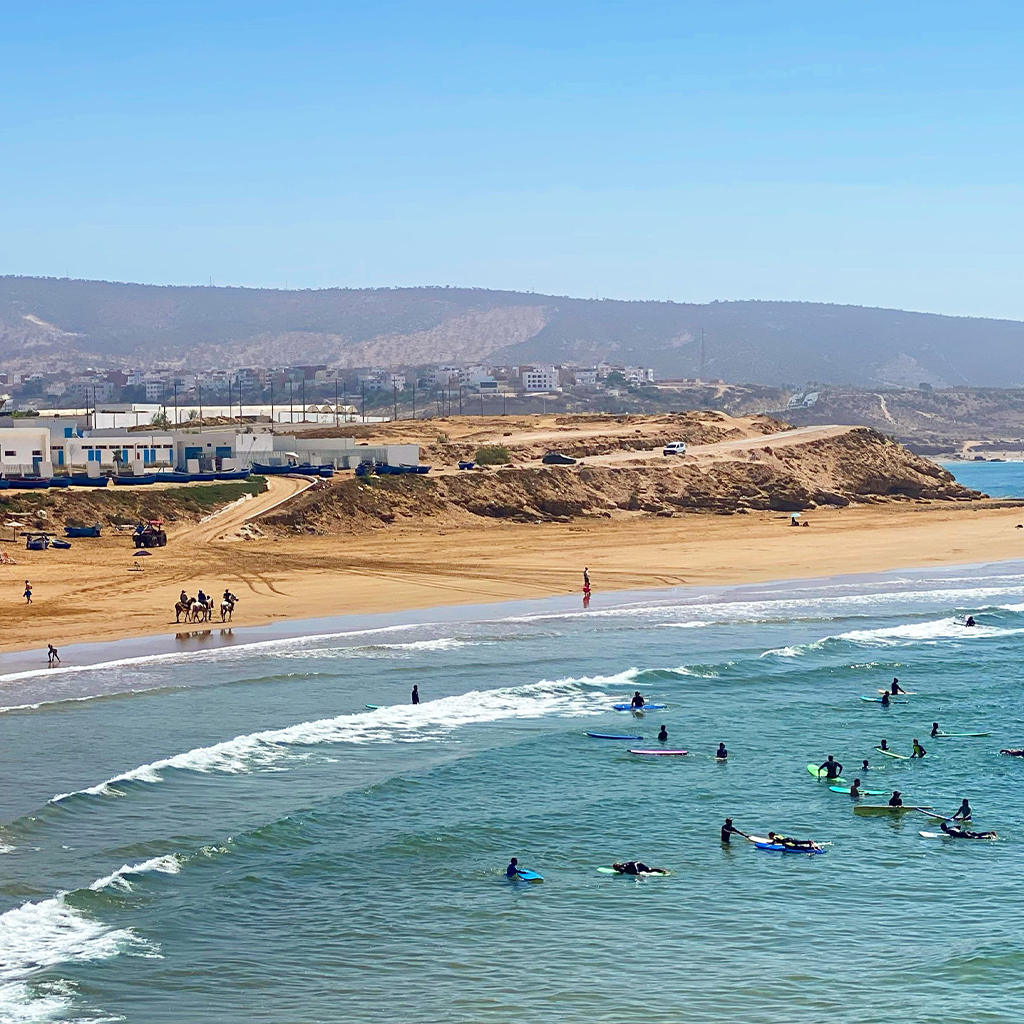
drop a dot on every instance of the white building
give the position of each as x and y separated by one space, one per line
25 451
539 378
126 452
155 390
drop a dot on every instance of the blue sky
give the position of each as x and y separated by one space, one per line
860 152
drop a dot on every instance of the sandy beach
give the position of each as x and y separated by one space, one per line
89 594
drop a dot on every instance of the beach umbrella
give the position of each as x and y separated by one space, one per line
142 554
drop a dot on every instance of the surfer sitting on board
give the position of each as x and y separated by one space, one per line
935 729
855 789
832 768
956 832
896 688
637 701
793 844
883 745
919 751
885 700
663 734
895 800
637 867
512 871
963 812
722 753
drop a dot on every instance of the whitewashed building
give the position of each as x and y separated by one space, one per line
25 451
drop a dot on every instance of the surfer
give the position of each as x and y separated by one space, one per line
793 844
935 729
970 621
864 766
728 829
52 656
883 745
896 688
1012 751
721 753
637 867
885 700
512 871
415 694
895 800
662 735
919 751
832 768
855 789
963 812
637 701
956 832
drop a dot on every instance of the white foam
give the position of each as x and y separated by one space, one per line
121 879
264 751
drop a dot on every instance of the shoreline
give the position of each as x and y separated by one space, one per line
85 595
386 604
129 649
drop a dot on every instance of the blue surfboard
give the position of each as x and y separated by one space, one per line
646 707
610 736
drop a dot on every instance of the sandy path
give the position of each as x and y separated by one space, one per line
228 520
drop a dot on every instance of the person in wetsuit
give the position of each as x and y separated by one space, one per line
637 867
791 843
722 753
728 829
963 812
935 729
956 832
662 734
864 766
896 688
970 621
832 768
896 800
415 694
637 701
855 789
885 700
512 871
919 751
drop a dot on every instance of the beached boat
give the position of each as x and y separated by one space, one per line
267 470
82 531
127 481
233 474
60 481
28 482
81 480
174 477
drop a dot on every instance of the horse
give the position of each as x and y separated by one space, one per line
202 611
227 608
180 607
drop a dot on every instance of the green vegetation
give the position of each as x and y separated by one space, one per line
493 455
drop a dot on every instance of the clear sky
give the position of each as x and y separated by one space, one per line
857 152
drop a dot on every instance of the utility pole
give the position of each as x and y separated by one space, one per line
175 405
504 410
335 402
271 404
460 399
200 408
394 399
362 398
414 398
703 353
231 400
481 403
303 396
291 400
344 399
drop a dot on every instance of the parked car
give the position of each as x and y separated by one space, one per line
674 448
558 459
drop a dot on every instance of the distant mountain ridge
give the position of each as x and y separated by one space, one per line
47 322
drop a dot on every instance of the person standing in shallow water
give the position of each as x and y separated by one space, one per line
586 578
52 657
415 695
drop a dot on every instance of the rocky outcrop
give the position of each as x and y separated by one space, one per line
859 466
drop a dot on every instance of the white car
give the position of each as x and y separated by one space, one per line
674 448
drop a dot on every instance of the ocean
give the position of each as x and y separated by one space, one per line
997 479
225 832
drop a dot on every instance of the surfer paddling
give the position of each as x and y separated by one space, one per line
790 843
637 867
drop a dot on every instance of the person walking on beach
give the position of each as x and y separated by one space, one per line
28 592
52 657
415 694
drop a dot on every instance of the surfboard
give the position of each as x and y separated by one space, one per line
891 753
878 700
528 876
863 792
942 835
779 848
818 773
611 736
659 753
643 874
902 693
373 707
875 809
646 707
958 735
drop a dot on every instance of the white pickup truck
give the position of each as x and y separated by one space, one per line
674 448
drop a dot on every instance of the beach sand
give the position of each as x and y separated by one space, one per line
88 594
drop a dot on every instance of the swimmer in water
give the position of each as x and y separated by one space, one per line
662 735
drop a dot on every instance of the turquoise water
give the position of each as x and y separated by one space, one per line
228 834
997 479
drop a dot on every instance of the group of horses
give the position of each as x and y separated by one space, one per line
195 610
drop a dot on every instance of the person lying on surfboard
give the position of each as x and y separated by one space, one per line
637 701
896 800
832 768
791 843
956 832
637 867
1012 751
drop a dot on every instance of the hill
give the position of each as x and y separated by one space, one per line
43 320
